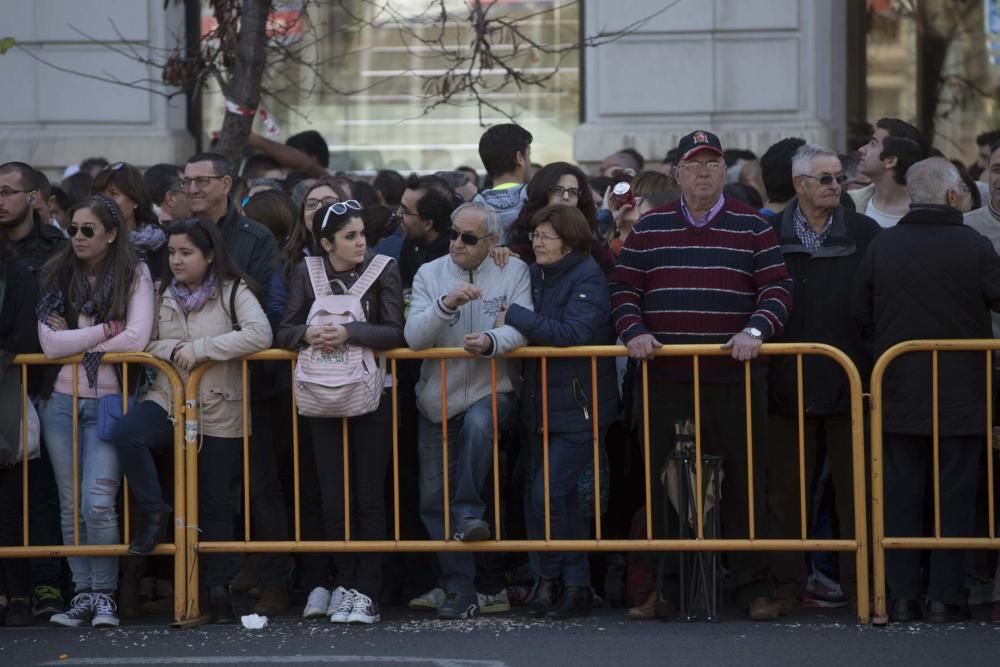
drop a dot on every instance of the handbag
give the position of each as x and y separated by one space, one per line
109 410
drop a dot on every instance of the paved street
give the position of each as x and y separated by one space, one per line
815 638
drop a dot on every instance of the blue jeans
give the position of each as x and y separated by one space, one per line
568 456
98 483
470 459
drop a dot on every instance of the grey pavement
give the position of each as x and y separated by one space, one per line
815 637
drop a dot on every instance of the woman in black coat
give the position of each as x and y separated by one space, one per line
572 307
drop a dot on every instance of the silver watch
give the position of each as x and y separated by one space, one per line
754 332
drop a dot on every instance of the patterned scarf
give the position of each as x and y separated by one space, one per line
148 239
93 303
191 302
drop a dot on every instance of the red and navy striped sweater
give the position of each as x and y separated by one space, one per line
700 285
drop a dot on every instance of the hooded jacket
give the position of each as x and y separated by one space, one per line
432 324
507 202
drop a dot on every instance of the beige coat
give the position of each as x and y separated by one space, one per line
211 330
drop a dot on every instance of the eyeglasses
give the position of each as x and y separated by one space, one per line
827 179
201 181
713 166
313 204
468 238
544 238
560 191
340 208
86 231
7 194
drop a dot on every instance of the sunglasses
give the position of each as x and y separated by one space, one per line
827 179
340 208
114 167
86 231
468 238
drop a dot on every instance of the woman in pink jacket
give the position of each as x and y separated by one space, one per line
96 297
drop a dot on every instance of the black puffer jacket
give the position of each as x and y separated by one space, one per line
251 246
822 314
930 277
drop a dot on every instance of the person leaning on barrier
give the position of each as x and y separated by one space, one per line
706 269
96 298
195 326
571 307
823 243
455 303
338 231
930 277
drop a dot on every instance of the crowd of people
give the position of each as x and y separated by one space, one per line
210 261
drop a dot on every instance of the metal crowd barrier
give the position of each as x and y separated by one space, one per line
698 543
181 591
880 542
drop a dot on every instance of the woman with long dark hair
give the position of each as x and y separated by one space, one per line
558 183
96 297
338 232
207 312
123 183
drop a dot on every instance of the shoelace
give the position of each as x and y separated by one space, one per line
360 599
104 604
347 603
81 602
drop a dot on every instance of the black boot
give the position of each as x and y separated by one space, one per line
544 599
576 602
221 601
155 530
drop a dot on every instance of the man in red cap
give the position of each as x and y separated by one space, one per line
706 269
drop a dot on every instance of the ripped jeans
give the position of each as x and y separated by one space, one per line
99 482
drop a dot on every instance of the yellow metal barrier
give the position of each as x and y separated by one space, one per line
879 540
76 549
857 545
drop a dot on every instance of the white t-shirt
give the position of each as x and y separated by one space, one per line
884 220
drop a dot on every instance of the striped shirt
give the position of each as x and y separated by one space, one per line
700 285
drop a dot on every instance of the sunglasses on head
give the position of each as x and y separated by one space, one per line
86 231
340 208
468 238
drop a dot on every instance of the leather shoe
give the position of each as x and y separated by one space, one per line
221 602
576 602
651 609
939 612
155 530
905 611
545 597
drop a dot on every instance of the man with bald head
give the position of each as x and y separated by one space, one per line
932 277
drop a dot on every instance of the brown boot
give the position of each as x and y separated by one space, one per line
273 600
651 609
129 602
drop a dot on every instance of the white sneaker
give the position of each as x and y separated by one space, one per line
336 597
317 604
343 611
429 601
365 609
493 604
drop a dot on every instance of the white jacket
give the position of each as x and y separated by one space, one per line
431 324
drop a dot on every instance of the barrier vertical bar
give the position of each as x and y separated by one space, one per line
246 452
597 453
76 455
191 537
936 443
496 449
395 451
545 447
347 478
444 446
25 528
645 446
877 503
126 531
802 445
296 463
699 495
751 510
860 497
989 445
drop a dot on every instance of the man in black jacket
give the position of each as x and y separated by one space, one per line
932 277
823 244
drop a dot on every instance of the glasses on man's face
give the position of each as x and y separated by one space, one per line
560 191
827 179
201 181
340 208
544 238
713 166
88 232
313 204
8 194
468 238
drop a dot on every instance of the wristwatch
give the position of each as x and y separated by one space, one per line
754 332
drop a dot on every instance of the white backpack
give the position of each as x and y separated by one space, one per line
346 382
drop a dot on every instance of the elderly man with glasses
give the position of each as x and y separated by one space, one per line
455 303
823 243
706 269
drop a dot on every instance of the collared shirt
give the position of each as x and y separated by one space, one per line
993 211
705 219
810 238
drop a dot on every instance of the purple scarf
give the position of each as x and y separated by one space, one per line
191 302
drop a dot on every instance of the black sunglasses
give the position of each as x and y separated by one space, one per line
468 238
827 179
86 231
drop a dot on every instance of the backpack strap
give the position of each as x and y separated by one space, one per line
317 276
232 307
371 274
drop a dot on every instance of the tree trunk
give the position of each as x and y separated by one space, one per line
245 79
